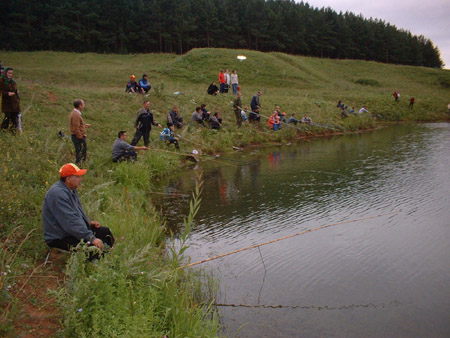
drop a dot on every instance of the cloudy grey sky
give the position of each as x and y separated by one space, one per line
428 18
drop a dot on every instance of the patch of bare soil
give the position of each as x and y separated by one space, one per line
38 313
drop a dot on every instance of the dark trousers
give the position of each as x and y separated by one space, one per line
222 87
10 117
238 117
67 243
254 117
80 148
129 155
139 134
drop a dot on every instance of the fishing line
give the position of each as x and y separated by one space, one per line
283 238
313 307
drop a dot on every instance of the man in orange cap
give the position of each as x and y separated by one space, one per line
133 86
65 222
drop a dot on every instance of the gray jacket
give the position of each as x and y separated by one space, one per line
63 215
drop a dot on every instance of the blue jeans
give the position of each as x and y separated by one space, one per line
235 91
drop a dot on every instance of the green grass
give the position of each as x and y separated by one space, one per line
167 301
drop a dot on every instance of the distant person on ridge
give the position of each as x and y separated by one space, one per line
227 80
234 82
396 95
222 81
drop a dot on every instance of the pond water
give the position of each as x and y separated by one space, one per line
387 274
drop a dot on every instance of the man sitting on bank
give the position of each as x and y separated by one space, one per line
65 222
122 151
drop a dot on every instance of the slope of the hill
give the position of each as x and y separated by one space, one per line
116 194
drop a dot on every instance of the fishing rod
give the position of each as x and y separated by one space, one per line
225 158
283 238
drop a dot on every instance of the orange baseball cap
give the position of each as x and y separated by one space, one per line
132 77
70 169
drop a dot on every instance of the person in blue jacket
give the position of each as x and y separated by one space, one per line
65 222
143 83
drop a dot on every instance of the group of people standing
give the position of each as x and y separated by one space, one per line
226 81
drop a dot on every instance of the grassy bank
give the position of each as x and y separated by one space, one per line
139 289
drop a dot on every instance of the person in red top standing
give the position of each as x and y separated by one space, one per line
222 81
396 95
411 102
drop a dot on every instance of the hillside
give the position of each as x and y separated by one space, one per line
118 194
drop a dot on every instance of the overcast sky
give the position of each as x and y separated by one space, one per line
428 18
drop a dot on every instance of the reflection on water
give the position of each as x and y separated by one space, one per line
381 277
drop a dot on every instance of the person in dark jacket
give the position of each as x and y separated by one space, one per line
255 101
122 151
144 124
133 86
174 118
10 100
65 222
205 113
216 121
197 116
213 89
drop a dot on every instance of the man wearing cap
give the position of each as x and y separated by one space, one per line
78 131
133 86
65 222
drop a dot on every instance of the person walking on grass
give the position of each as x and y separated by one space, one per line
78 131
122 151
64 220
237 106
10 100
411 102
144 124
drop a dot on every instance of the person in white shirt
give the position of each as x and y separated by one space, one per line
234 82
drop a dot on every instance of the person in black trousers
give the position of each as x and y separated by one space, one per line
144 124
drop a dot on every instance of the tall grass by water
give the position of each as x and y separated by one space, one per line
137 289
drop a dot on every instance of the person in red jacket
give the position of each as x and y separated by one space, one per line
222 81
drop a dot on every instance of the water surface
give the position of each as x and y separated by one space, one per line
387 276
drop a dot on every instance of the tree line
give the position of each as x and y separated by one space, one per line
176 26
